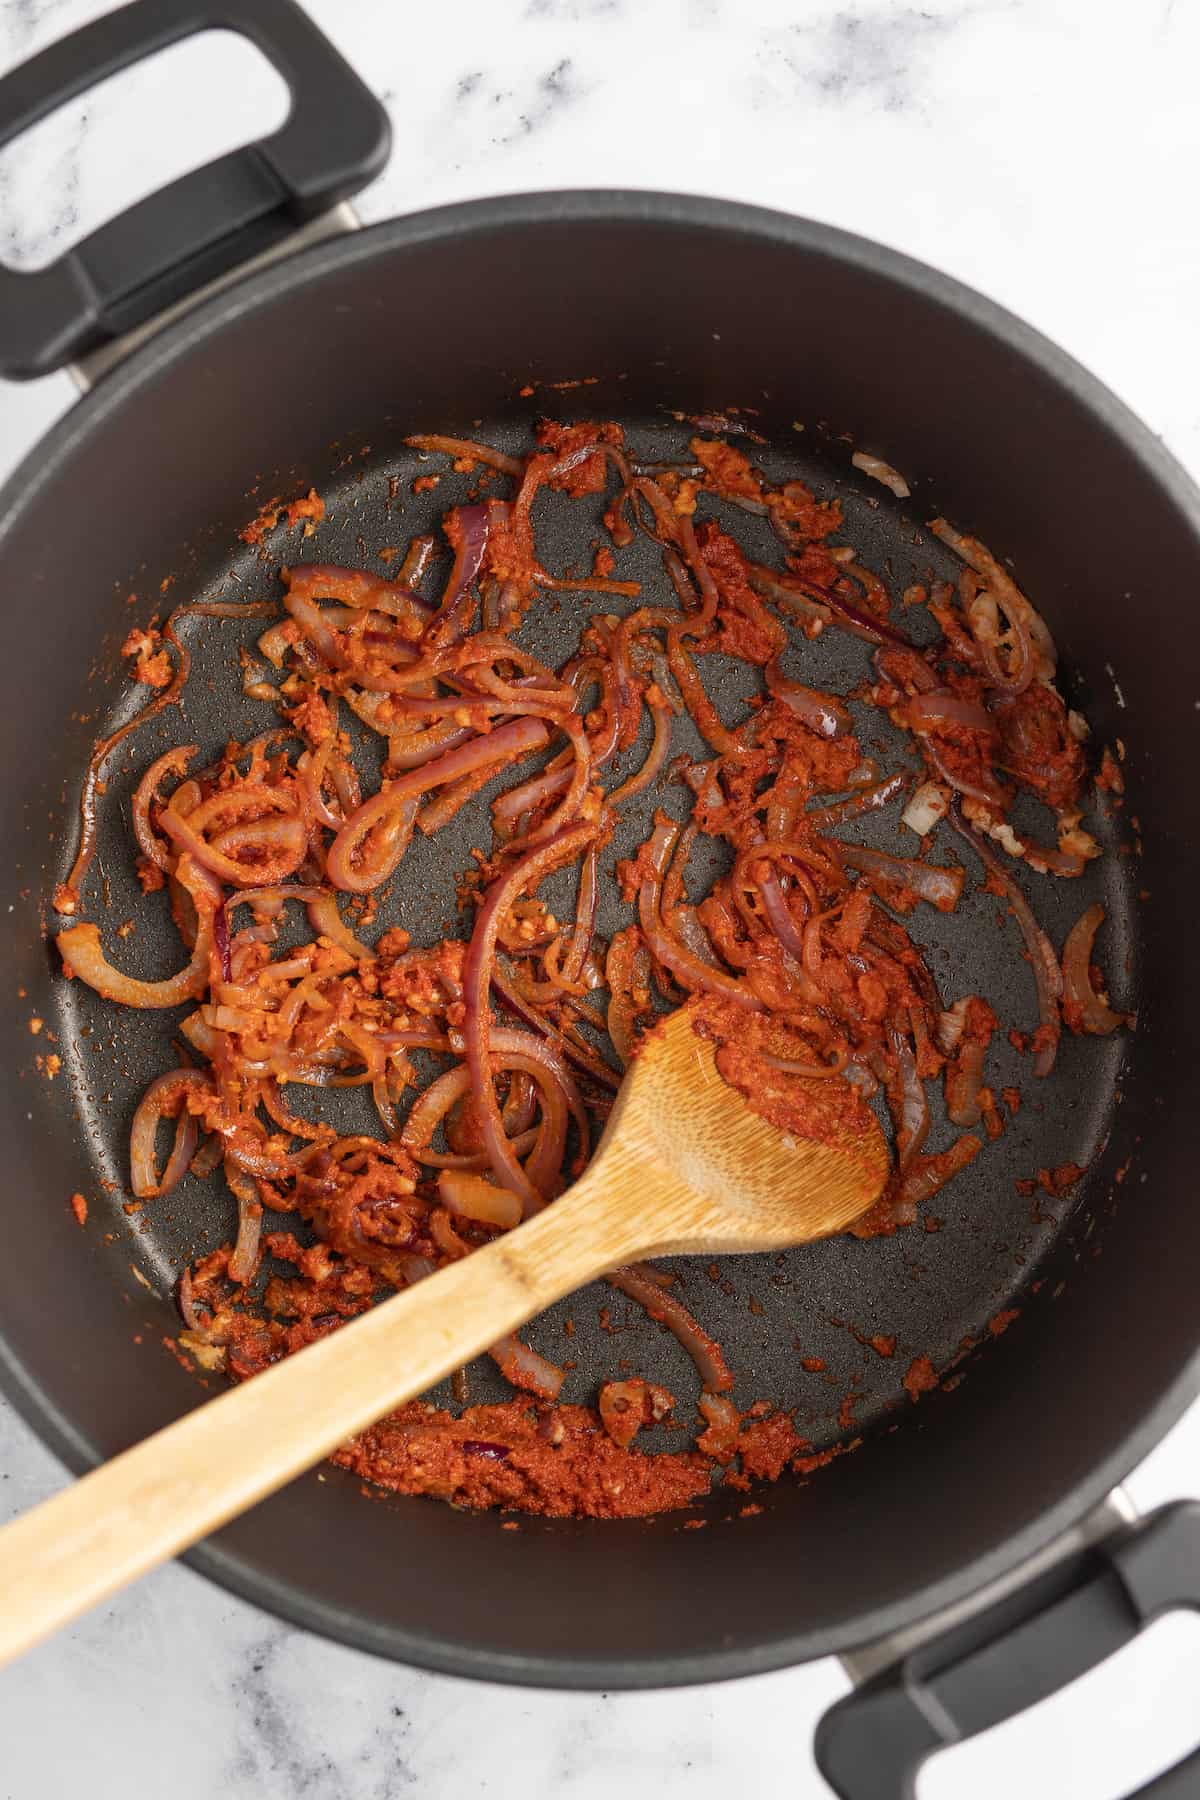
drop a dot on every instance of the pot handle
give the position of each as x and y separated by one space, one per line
871 1745
335 139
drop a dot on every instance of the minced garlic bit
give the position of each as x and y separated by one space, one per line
929 804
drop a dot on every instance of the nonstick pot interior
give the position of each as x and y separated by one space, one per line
312 375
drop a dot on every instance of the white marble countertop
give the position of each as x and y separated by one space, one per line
1045 151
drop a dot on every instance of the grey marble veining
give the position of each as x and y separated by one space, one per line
869 57
987 136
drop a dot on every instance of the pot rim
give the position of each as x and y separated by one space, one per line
287 1600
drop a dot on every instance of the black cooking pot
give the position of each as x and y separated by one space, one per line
989 1500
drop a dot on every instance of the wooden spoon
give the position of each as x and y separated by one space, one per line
684 1167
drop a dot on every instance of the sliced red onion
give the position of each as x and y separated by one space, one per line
886 934
544 1166
683 923
912 1124
449 622
755 863
171 762
515 801
1083 1008
925 712
386 837
571 802
372 841
774 586
862 1078
938 885
247 1147
430 1108
964 1079
263 850
991 796
871 798
663 514
929 1176
478 708
704 714
417 747
206 1158
690 971
467 447
659 750
666 1310
276 641
325 918
538 683
626 701
674 886
605 743
864 624
883 472
1046 972
724 1424
346 786
485 1447
782 923
221 943
450 800
187 1303
316 629
83 955
702 575
475 1161
471 1197
165 1098
361 592
906 669
520 1108
1022 613
309 775
585 917
243 1264
66 896
984 623
510 997
951 1024
270 899
900 1200
477 975
522 1367
1048 861
414 1268
255 851
626 969
670 953
409 677
822 713
381 1095
559 1095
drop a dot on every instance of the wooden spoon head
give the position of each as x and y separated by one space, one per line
754 1184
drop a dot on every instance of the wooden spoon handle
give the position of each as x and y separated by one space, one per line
190 1478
